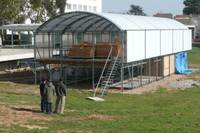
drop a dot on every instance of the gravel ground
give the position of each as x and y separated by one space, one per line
174 81
184 84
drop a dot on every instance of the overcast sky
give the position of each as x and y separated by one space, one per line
149 7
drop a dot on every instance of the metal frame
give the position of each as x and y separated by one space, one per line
105 26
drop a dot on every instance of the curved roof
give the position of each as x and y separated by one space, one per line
105 22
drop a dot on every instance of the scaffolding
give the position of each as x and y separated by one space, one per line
79 43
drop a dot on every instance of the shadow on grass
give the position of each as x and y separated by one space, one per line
24 77
26 110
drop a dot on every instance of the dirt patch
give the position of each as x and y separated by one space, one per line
33 127
20 115
11 115
101 117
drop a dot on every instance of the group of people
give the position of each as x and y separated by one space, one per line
47 92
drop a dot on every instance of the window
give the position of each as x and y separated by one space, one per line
85 8
74 7
90 8
94 8
69 6
80 7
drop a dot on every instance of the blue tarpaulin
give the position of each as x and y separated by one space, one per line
181 63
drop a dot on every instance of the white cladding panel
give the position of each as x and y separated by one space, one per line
187 45
166 42
177 41
135 45
152 43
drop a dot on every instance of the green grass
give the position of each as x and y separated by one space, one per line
195 54
163 111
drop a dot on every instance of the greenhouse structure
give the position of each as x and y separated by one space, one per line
111 50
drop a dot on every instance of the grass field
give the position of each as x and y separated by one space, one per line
163 111
174 111
195 55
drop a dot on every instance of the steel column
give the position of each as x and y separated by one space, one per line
35 64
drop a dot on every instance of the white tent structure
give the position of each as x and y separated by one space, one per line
142 37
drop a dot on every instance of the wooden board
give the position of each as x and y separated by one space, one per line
165 67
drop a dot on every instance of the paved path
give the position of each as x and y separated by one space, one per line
9 54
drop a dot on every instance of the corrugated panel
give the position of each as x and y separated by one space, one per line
177 41
152 44
187 40
87 21
166 42
135 46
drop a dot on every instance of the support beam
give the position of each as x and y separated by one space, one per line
35 64
122 64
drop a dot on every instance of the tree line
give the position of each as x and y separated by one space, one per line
191 7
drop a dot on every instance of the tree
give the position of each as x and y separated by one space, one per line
41 10
136 10
9 10
34 10
191 7
61 4
17 11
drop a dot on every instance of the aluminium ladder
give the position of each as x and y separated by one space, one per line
106 80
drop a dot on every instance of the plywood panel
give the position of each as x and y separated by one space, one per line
165 67
172 64
152 69
81 52
168 65
103 49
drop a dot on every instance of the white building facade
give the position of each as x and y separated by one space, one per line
84 5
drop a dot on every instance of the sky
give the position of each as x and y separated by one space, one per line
150 7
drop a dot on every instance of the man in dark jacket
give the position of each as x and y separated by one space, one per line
61 95
42 85
49 91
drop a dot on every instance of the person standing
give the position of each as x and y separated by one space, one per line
49 91
61 96
42 85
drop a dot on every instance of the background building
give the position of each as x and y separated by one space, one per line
163 15
84 5
190 20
